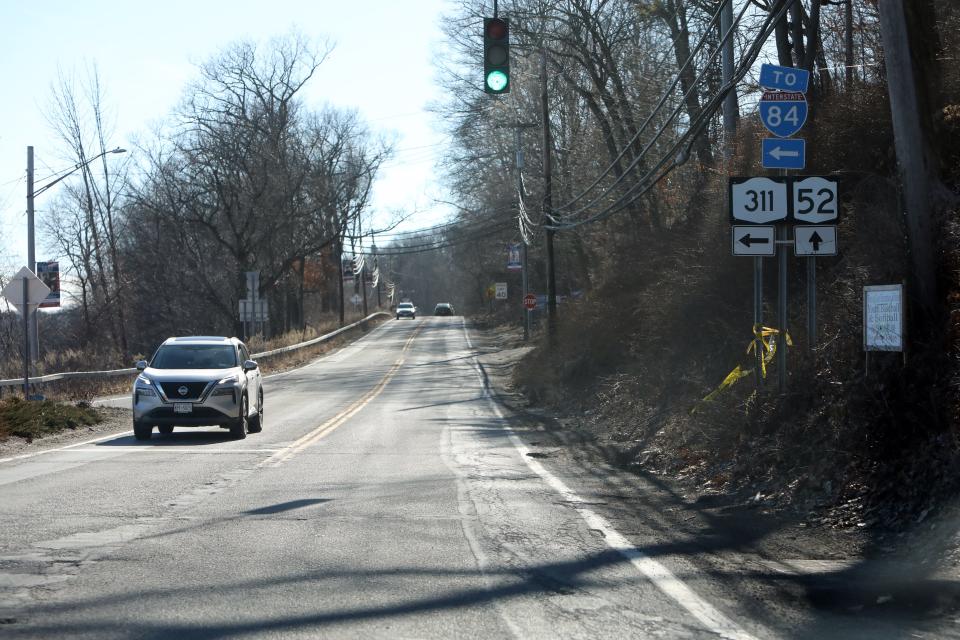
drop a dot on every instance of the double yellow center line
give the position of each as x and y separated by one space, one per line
336 421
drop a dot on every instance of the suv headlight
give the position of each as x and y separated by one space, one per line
227 387
143 388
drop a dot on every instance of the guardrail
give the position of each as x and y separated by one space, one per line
53 377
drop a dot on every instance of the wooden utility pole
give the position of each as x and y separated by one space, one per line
914 173
548 200
848 44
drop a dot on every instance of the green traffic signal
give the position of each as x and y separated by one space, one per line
496 55
496 81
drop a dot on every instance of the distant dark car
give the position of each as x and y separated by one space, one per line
443 309
406 310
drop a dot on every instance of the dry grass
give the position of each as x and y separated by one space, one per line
31 420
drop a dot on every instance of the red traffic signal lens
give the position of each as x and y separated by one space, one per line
496 29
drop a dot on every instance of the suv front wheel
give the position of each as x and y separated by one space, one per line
142 430
238 429
256 423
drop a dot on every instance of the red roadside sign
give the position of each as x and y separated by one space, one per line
530 301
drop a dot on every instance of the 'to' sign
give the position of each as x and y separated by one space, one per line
784 78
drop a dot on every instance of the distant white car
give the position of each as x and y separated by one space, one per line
406 310
194 381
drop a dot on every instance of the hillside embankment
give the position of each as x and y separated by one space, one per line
638 365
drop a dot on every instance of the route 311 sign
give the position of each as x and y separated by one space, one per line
758 200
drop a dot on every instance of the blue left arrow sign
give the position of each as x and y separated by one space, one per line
784 153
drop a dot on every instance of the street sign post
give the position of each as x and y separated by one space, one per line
784 153
26 291
815 240
758 200
783 114
753 240
530 302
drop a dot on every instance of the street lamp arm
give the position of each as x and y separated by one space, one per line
76 168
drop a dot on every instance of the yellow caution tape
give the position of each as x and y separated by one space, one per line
765 342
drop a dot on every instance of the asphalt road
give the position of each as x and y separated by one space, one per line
387 496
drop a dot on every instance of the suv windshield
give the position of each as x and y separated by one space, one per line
194 356
405 305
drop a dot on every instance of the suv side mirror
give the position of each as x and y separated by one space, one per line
249 365
141 365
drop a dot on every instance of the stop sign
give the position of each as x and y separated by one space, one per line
530 301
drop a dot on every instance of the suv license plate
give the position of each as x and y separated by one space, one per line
182 407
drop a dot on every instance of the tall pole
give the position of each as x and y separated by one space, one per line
26 340
548 200
363 285
782 239
523 255
31 260
340 278
811 303
730 108
908 138
848 44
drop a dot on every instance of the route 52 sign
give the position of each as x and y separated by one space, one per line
783 113
815 200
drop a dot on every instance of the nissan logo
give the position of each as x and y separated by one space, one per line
183 390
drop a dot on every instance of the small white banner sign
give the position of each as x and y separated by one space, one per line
883 317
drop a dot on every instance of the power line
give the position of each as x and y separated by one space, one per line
651 179
670 119
666 94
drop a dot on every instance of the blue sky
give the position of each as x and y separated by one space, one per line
146 53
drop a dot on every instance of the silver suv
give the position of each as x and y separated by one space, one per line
196 381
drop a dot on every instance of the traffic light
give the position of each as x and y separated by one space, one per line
496 55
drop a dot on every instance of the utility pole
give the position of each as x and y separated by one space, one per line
730 108
376 267
548 201
31 326
523 248
340 277
848 44
909 144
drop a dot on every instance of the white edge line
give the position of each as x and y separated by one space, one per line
657 573
69 446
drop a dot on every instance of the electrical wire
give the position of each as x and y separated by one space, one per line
668 123
652 178
666 94
443 244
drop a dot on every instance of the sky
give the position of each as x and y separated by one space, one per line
146 54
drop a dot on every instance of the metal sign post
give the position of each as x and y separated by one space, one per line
782 237
26 341
758 317
26 295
